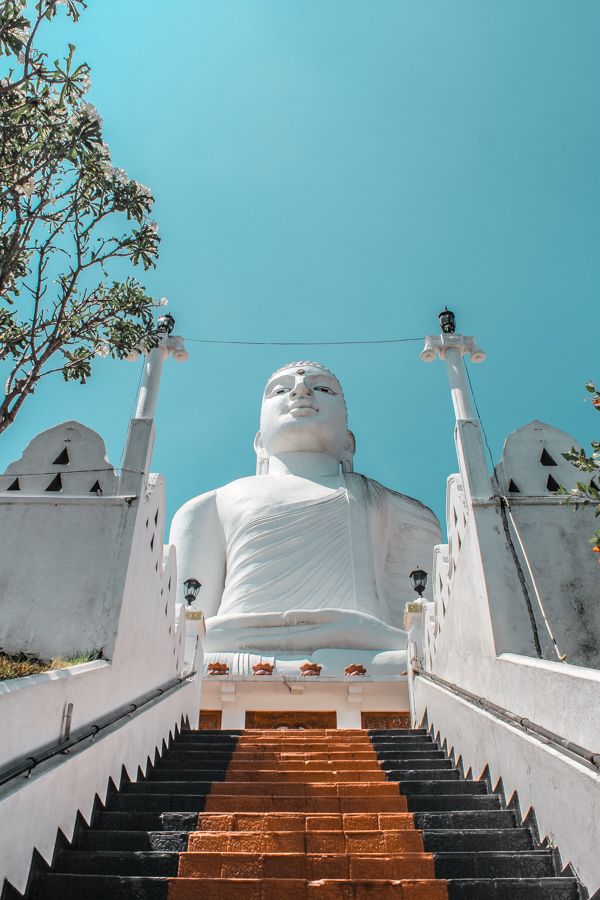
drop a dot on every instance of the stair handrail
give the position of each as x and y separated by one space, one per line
27 764
582 753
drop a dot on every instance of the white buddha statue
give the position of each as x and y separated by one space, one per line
305 555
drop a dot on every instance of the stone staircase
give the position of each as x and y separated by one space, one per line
304 815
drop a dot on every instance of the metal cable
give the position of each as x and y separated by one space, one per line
302 343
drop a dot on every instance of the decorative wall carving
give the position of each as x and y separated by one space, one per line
284 719
385 719
210 719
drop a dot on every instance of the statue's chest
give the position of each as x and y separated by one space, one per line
268 499
299 543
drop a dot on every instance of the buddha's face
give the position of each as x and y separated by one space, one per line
303 409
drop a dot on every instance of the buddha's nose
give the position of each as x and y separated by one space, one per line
301 389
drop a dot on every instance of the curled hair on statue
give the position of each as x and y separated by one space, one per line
303 362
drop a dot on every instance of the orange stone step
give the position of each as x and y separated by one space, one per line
309 735
300 775
305 789
301 746
249 841
321 743
291 821
296 747
353 842
309 866
276 758
306 842
302 804
300 764
244 743
300 889
238 889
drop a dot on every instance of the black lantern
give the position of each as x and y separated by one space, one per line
166 323
419 581
191 587
447 321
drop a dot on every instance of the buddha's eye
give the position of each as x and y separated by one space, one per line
279 390
324 389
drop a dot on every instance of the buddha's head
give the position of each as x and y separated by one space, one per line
304 410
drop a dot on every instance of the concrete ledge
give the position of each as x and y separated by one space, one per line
27 682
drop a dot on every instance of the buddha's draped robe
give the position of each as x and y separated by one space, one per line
346 543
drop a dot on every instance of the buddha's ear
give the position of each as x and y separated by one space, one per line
348 458
351 443
262 459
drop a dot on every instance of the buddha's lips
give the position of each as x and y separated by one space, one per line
302 410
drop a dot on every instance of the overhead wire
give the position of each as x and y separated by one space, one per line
302 343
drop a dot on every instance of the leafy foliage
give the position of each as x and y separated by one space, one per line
66 214
586 494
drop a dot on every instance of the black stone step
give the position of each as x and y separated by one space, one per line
221 746
465 819
418 773
432 760
136 820
164 841
216 732
405 744
223 759
494 864
157 803
211 752
166 773
114 862
164 786
207 763
511 889
451 802
391 752
375 733
456 840
414 754
410 786
98 887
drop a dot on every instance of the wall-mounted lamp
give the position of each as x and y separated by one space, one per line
191 588
419 581
447 321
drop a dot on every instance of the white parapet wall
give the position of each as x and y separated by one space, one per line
562 792
34 809
86 568
484 606
513 620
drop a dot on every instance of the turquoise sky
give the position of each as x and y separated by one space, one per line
340 170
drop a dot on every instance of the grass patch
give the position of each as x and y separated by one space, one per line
17 665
